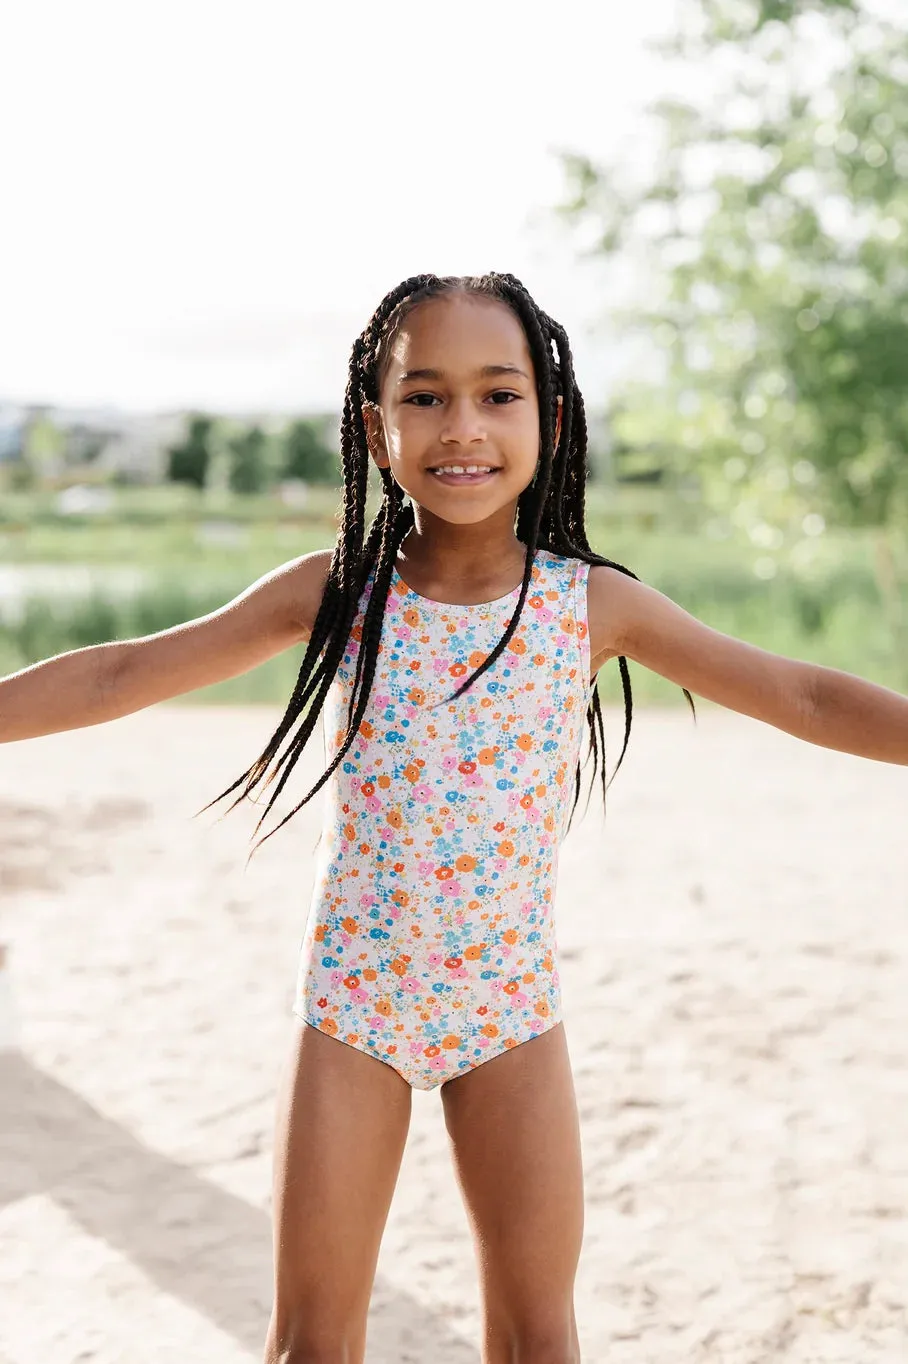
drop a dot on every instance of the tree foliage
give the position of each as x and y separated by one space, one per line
774 231
307 456
248 470
190 460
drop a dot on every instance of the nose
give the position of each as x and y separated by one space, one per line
463 424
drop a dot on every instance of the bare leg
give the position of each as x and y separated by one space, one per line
342 1125
515 1133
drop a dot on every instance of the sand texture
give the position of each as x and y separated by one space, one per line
734 948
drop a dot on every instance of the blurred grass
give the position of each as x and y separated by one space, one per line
199 551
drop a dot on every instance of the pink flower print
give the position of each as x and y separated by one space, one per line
500 863
366 900
415 1048
438 1063
533 815
520 999
359 996
439 665
382 699
410 984
562 641
404 631
473 780
435 959
336 977
346 939
536 1024
449 762
373 804
451 888
459 973
482 1040
376 1021
422 792
393 911
544 615
387 833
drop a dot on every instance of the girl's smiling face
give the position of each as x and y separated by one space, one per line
458 388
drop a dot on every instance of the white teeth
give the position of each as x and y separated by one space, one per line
464 469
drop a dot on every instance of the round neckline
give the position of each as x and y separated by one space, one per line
457 605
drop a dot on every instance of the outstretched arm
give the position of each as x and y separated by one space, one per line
106 681
822 705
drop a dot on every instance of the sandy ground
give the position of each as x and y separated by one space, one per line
735 970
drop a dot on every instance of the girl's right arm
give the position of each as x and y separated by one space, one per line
106 681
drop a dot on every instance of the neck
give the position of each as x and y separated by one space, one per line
442 552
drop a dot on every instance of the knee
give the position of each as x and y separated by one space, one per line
544 1345
309 1352
306 1348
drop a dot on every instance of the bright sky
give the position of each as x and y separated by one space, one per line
204 201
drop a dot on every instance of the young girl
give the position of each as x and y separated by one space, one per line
453 653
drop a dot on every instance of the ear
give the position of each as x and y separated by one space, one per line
375 434
558 421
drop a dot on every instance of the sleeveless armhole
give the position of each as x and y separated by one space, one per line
581 619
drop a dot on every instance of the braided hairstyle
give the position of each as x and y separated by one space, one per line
550 515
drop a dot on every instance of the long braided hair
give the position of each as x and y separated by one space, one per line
550 515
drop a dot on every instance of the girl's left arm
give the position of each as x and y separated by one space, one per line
822 705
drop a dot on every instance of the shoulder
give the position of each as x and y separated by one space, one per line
612 601
296 588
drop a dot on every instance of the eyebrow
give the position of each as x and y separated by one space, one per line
487 372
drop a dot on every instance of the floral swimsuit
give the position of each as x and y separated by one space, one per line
430 942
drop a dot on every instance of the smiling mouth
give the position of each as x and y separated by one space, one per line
463 473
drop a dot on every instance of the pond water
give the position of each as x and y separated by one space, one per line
19 582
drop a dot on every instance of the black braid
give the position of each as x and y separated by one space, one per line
550 515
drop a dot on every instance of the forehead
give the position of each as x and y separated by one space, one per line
459 333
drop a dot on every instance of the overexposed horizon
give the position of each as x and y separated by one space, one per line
205 203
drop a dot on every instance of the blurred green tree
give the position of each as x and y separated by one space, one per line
307 455
190 461
772 236
248 470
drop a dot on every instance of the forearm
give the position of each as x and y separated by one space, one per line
855 716
68 691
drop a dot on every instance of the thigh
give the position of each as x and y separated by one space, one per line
342 1122
515 1136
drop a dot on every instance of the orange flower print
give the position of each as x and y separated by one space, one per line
487 755
524 742
450 1042
457 669
444 873
351 982
509 936
350 925
329 1026
466 862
